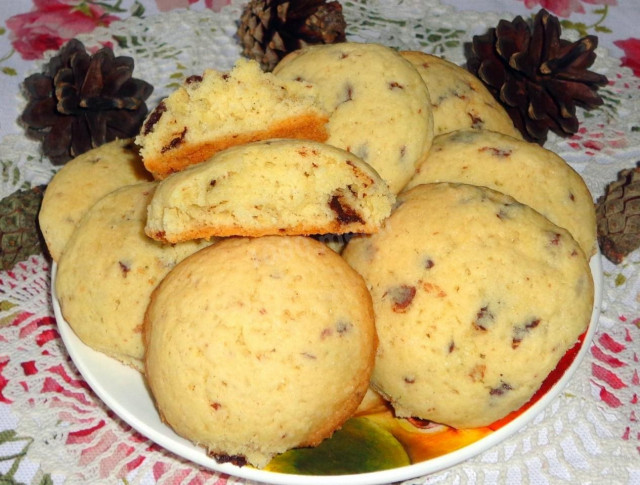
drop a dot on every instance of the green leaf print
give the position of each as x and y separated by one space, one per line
7 437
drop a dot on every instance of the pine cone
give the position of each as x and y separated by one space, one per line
538 77
618 216
82 101
270 29
19 233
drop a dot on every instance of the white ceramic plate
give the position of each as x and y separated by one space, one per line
123 390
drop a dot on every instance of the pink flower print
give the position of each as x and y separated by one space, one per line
216 5
53 22
564 8
631 58
602 140
3 380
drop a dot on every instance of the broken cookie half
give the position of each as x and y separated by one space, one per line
275 187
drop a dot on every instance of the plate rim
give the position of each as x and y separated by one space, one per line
193 453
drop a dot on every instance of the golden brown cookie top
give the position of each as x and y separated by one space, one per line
526 171
379 105
268 342
476 297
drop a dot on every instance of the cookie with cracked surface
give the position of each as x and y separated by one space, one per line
267 342
109 269
379 107
82 182
526 171
272 187
459 100
476 296
219 109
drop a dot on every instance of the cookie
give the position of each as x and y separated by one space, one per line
259 345
459 100
218 110
476 298
526 171
285 187
82 182
379 106
109 269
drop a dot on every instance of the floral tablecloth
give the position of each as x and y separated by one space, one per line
53 429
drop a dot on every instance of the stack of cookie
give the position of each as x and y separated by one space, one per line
464 281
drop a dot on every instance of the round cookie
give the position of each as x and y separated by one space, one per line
109 269
526 171
82 182
476 298
459 100
259 345
379 106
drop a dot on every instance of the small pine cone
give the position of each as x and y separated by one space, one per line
82 101
270 29
618 216
538 77
19 233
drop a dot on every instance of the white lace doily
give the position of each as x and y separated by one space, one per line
590 434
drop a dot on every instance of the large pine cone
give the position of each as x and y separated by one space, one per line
82 101
618 216
270 29
538 77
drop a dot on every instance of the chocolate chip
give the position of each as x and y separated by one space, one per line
532 324
401 297
555 239
348 93
497 152
501 389
476 121
193 79
154 117
177 141
344 212
484 319
237 460
520 332
125 268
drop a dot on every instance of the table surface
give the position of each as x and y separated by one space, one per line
53 429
